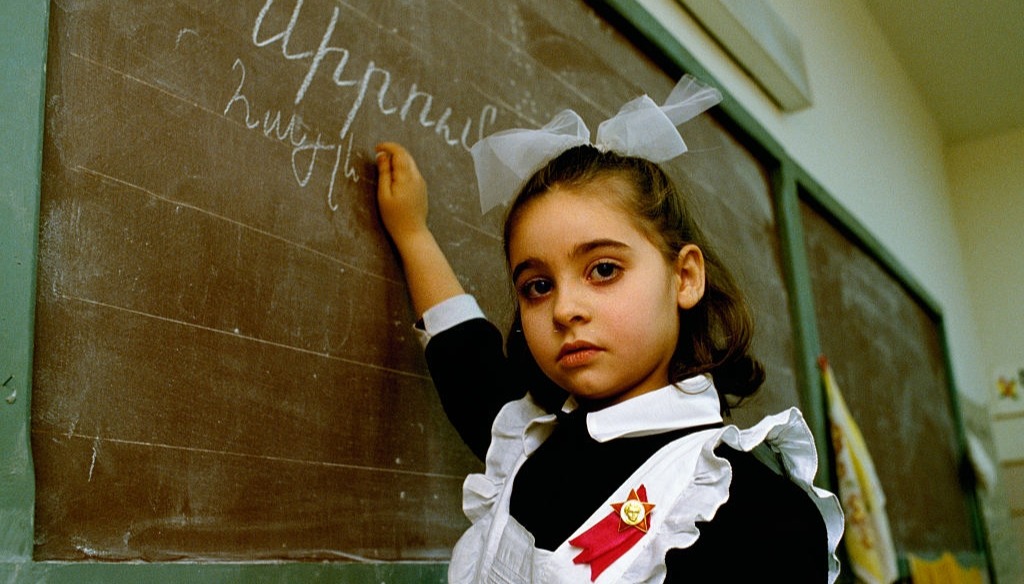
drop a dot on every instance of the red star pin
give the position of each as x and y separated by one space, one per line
611 537
633 512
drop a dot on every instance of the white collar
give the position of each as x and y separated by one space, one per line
691 402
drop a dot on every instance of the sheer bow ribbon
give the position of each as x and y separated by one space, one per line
505 160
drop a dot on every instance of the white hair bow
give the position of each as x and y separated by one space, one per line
505 160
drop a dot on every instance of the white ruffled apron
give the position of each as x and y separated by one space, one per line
497 549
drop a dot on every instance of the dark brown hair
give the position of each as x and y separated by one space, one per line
714 335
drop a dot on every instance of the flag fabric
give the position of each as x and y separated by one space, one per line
944 570
868 538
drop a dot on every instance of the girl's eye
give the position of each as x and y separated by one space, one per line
604 271
535 288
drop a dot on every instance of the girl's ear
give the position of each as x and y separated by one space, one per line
690 270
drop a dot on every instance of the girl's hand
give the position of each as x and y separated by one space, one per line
402 200
401 193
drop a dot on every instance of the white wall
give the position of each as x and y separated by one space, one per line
869 141
986 179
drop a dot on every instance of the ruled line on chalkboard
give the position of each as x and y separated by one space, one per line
477 228
496 99
239 335
114 179
131 77
263 457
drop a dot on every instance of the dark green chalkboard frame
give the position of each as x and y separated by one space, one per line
24 27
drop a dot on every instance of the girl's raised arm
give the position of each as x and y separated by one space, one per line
458 362
402 200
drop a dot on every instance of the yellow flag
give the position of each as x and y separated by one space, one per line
868 539
944 570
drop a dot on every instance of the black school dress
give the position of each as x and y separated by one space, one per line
767 530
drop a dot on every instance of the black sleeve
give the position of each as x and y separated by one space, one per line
472 378
768 531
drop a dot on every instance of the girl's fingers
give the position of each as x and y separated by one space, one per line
383 163
392 148
383 174
401 161
398 177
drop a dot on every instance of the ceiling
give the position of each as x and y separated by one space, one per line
965 56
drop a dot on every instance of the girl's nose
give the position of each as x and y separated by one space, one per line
570 307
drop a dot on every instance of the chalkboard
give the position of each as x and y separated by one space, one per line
225 367
886 351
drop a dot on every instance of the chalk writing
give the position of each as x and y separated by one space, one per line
296 133
310 147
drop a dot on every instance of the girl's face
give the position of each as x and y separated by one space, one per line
599 302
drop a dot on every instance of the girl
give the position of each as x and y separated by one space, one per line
616 466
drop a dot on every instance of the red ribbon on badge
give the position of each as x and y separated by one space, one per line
611 537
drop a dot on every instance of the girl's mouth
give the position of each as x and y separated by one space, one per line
576 354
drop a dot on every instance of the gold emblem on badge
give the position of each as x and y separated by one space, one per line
632 512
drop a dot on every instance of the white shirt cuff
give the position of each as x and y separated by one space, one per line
447 314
